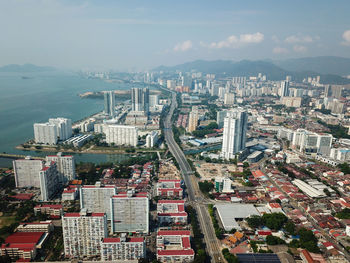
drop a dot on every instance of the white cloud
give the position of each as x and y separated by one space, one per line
300 39
280 50
346 37
299 48
235 42
184 46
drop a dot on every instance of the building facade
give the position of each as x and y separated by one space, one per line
82 233
122 248
109 103
121 135
45 133
234 138
130 212
49 181
96 198
27 172
65 166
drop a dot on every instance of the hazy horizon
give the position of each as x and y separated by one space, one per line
139 35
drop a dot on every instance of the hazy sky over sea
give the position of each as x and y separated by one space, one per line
127 35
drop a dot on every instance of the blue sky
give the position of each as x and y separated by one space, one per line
138 35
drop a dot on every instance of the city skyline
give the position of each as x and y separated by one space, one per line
137 35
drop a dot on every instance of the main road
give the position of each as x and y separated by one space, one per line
212 244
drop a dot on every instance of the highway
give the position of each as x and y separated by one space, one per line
212 244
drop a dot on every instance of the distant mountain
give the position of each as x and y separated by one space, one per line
323 65
227 67
252 68
25 68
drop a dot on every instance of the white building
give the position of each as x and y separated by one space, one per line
121 135
235 128
27 172
171 211
130 212
284 89
153 100
284 133
45 133
65 166
87 125
174 246
82 233
109 103
312 143
49 181
63 127
96 198
42 226
122 248
169 188
152 139
340 154
220 117
229 98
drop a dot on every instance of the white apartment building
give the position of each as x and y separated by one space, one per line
235 129
152 139
284 133
229 98
312 143
340 154
49 181
122 248
153 100
45 133
121 135
65 166
171 211
96 198
193 119
82 233
130 212
27 172
63 127
87 125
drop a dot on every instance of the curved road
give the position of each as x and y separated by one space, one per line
212 243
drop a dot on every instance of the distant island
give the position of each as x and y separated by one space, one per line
25 68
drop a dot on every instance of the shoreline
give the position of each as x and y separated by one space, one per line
90 150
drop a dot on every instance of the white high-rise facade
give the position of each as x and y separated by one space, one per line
65 166
153 100
122 248
45 133
284 89
121 135
82 233
96 198
27 172
140 100
310 142
63 127
109 103
130 212
49 183
152 139
235 129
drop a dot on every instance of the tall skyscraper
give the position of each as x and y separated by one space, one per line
109 103
65 166
235 128
145 100
193 119
337 91
327 91
140 100
284 89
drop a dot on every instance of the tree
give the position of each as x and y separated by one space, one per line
272 240
274 220
290 227
255 221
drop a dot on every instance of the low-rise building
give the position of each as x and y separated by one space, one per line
52 210
171 211
42 226
174 246
169 188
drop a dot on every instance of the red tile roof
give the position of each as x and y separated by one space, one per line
24 237
173 233
188 252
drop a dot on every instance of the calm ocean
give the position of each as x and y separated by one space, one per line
40 96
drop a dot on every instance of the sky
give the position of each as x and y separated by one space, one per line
139 35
